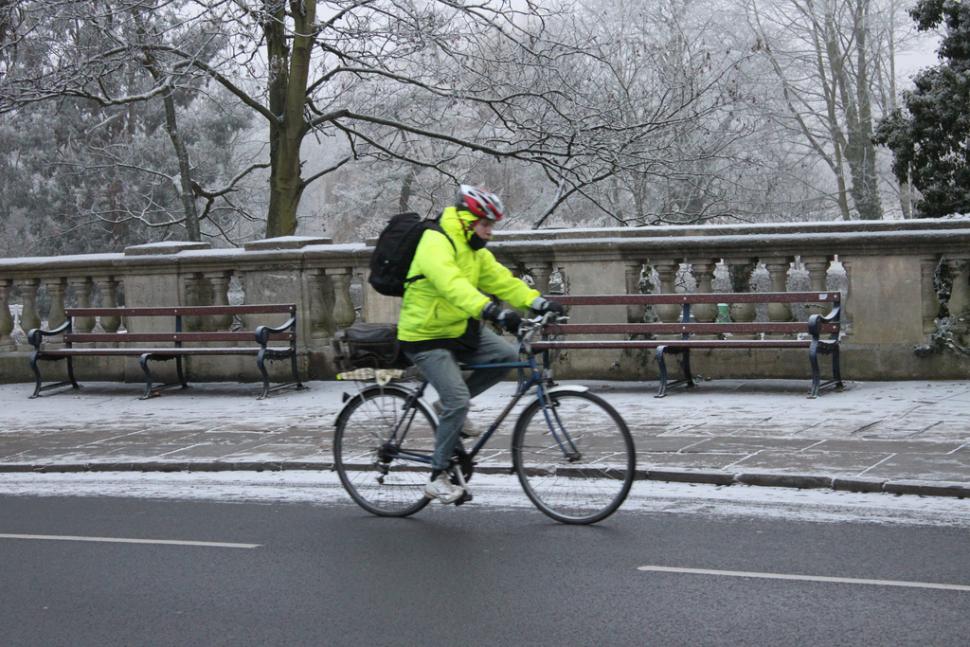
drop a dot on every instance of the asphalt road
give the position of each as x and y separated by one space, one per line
302 574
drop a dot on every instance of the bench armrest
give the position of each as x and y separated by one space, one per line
815 321
263 332
36 335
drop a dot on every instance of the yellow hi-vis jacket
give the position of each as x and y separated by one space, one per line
439 305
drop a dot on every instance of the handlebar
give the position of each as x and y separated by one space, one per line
532 326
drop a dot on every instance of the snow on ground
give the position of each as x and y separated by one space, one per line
503 492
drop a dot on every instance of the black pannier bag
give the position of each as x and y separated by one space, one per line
368 345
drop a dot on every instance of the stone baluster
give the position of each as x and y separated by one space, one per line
56 292
29 316
778 272
740 270
632 271
6 320
81 287
540 275
703 271
931 300
817 268
343 306
108 288
219 284
667 270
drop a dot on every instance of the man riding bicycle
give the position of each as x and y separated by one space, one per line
440 325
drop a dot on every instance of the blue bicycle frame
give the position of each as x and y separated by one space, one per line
529 375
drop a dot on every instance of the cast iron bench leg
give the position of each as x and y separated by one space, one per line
70 373
813 358
181 374
36 370
296 373
662 365
143 361
685 365
836 371
261 363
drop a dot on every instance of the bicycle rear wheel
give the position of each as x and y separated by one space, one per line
384 475
574 458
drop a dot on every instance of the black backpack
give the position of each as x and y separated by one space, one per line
394 252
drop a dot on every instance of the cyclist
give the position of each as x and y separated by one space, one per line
440 325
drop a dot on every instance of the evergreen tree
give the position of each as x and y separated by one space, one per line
931 142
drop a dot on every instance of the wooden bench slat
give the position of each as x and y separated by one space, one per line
672 343
135 352
722 297
92 337
182 310
690 328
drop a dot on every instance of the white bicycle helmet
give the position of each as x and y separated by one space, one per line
481 203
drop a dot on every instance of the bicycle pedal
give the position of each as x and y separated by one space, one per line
464 498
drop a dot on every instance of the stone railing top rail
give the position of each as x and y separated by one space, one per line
669 231
929 237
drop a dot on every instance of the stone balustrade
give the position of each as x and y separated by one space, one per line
899 278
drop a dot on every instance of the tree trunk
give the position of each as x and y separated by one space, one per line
287 99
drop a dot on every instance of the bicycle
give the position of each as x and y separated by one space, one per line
572 452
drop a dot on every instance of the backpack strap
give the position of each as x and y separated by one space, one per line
435 226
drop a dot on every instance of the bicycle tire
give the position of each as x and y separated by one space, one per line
591 484
372 472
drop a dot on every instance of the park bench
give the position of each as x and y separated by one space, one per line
819 334
174 342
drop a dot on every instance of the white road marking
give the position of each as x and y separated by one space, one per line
123 540
807 578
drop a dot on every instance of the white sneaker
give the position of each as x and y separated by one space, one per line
443 489
468 429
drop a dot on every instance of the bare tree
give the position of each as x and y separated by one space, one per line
103 58
826 57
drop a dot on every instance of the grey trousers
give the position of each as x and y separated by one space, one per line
440 367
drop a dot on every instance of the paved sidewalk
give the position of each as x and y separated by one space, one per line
901 437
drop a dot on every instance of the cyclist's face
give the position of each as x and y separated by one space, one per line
483 227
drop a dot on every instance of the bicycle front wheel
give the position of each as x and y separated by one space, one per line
382 451
574 457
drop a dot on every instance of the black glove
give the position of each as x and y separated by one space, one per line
543 305
508 320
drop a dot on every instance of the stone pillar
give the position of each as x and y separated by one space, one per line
778 271
931 300
540 274
959 297
667 270
703 271
321 323
81 286
632 271
108 287
29 317
191 296
343 307
6 320
219 282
